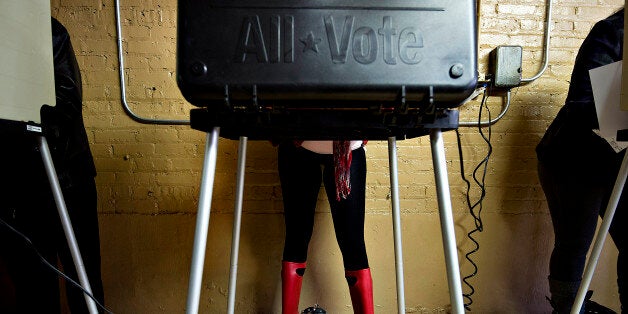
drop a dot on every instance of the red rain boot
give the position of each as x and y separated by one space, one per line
361 290
291 279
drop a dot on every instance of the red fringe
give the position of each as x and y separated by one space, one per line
342 168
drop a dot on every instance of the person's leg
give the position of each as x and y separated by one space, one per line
81 203
36 286
300 176
574 201
7 289
31 212
348 216
291 281
617 230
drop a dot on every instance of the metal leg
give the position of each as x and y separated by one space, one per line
446 221
237 219
66 223
202 221
394 188
601 235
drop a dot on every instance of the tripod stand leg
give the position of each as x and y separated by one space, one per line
65 222
446 221
202 221
237 219
601 235
394 191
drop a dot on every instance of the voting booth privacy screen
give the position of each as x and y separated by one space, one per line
276 58
26 69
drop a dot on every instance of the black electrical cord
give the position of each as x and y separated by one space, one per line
477 219
60 273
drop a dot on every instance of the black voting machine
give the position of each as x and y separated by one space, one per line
334 69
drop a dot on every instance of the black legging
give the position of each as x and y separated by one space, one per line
575 196
301 175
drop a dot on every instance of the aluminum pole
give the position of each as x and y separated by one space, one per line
202 221
446 220
394 191
237 219
66 223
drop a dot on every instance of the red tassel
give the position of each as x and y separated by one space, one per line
342 168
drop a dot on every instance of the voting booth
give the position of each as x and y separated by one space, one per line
26 84
323 70
359 68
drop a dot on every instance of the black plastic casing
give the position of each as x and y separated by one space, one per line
334 54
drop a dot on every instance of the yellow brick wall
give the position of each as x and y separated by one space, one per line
148 177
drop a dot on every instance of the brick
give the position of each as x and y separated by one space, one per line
516 9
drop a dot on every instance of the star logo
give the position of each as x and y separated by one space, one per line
310 42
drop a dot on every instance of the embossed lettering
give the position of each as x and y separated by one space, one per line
364 42
338 51
409 40
388 32
280 41
251 41
364 45
288 49
275 37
